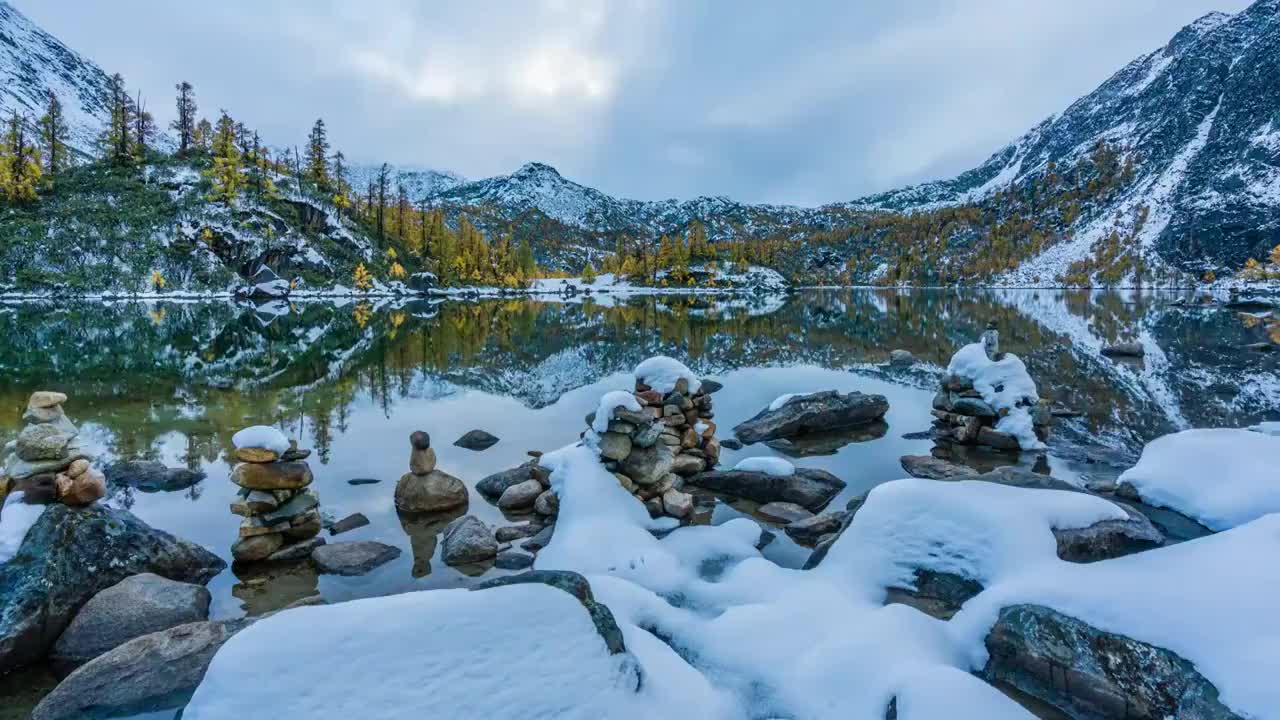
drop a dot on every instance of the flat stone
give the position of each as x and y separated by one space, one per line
305 526
436 491
254 502
646 466
256 455
46 399
820 411
138 605
932 468
150 476
255 548
809 488
17 468
363 481
348 523
647 434
513 560
272 476
353 558
1124 349
468 540
783 512
614 446
511 533
297 505
809 531
297 551
686 465
477 440
998 440
520 496
972 407
540 540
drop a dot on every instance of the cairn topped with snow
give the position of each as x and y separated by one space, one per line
279 511
47 462
655 436
987 398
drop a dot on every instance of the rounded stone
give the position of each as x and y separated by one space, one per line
81 490
46 399
422 461
614 446
436 491
520 496
42 442
272 476
468 540
548 503
256 548
419 440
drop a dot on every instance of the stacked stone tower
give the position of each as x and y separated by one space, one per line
279 510
47 461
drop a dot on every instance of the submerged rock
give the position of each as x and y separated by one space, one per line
348 523
932 468
71 555
783 512
136 606
821 411
353 558
1086 672
809 488
476 440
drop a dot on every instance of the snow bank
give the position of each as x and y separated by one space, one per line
661 373
782 400
1270 427
1221 477
609 402
524 650
774 466
1004 384
16 518
261 436
945 692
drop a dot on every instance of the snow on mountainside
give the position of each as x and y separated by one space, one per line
419 182
33 62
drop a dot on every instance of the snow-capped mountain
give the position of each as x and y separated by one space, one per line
418 182
33 62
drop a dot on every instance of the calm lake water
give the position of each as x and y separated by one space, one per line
174 381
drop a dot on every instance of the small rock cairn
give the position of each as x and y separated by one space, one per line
279 512
963 417
652 451
47 462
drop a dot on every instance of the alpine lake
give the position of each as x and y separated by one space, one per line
173 380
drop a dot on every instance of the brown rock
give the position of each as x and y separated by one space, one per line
710 432
5 483
272 476
626 483
691 417
46 399
254 502
256 548
256 455
422 460
686 465
690 438
253 526
77 468
649 397
436 491
677 504
81 490
969 430
304 526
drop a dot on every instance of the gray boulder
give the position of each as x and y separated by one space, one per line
494 485
353 558
159 671
809 488
931 468
826 410
468 540
648 465
520 496
136 606
476 440
149 476
1085 672
71 555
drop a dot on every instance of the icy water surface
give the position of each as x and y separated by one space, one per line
173 381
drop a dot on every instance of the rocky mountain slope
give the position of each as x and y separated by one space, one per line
33 63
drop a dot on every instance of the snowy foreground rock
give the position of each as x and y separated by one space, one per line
706 627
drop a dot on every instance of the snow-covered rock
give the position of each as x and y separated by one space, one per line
261 436
775 466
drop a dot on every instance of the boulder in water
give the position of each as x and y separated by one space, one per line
820 411
810 488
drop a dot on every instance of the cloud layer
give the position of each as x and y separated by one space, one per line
767 102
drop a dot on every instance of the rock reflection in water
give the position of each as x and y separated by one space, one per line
424 536
828 443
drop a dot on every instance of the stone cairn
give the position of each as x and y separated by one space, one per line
426 489
963 417
651 452
47 462
279 512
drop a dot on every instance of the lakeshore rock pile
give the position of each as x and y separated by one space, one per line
990 401
47 461
279 512
658 435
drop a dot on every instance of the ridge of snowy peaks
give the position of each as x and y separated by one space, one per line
538 186
33 62
1199 118
418 182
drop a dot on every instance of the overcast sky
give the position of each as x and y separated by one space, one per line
803 102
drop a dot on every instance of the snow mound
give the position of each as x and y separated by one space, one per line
528 650
16 518
261 436
1270 427
774 466
1221 477
609 402
661 373
945 692
1004 384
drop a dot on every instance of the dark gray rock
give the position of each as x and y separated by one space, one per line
468 540
353 558
363 481
159 671
973 407
901 358
809 488
932 468
539 540
810 531
136 606
71 555
494 485
149 476
476 440
731 444
513 560
577 586
296 552
1085 672
783 512
348 523
819 411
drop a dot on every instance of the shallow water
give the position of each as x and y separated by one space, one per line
173 381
